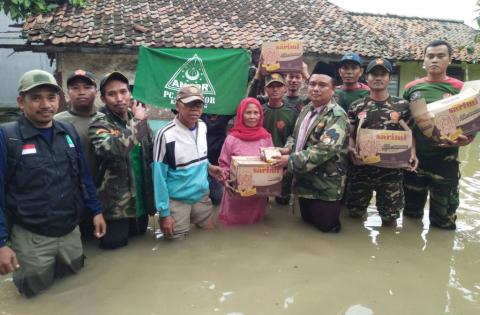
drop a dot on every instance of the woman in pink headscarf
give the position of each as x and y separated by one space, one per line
245 139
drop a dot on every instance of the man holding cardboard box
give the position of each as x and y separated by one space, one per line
316 154
378 111
438 171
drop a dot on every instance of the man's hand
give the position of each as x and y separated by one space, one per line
280 161
99 225
258 73
229 186
305 73
167 225
138 109
354 156
217 172
8 261
413 163
284 151
459 142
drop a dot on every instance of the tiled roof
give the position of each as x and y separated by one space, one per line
323 27
406 37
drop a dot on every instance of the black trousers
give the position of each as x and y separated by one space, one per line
118 231
324 215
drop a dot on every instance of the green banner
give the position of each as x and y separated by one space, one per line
221 73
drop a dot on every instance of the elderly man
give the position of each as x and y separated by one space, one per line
44 188
180 168
316 154
122 143
438 169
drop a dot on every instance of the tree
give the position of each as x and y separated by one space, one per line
21 9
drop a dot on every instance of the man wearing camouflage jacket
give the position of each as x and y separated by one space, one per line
316 154
123 144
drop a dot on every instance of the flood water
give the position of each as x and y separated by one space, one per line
282 266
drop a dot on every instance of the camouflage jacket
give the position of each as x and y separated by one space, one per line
124 154
320 167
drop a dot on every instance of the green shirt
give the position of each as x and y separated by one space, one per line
345 97
81 125
295 102
279 122
431 92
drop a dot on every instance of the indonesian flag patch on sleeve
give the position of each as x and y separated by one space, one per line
29 149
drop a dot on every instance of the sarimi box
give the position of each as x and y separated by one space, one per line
283 56
252 176
450 117
384 148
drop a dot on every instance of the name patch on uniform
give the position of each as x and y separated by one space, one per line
29 149
70 141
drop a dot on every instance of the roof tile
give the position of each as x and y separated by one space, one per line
323 27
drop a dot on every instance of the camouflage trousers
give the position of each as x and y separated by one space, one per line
387 183
438 176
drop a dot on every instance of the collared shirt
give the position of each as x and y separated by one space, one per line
306 124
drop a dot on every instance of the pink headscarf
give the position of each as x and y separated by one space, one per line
243 132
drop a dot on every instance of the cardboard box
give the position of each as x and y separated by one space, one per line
450 117
252 176
384 148
270 153
284 56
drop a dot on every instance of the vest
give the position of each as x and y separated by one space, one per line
44 191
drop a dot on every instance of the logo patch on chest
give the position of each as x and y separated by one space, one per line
29 149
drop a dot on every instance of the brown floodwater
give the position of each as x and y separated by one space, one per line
282 266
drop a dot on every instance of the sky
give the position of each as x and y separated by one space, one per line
464 10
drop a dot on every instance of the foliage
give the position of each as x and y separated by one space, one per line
21 9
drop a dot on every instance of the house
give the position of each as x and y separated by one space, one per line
13 65
105 34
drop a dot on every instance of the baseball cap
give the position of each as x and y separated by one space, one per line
380 62
34 78
351 56
189 93
79 73
274 77
113 76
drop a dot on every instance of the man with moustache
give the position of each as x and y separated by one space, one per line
350 70
123 144
44 188
316 154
